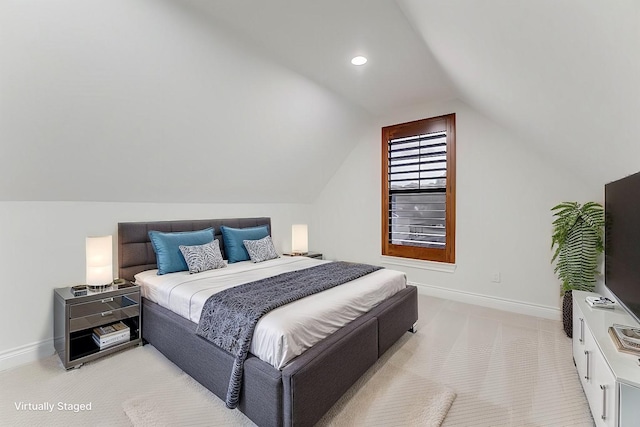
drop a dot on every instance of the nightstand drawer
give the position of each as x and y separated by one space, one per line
103 305
102 318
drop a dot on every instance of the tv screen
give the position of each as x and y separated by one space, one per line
622 241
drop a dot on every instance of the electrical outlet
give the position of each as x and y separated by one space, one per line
495 277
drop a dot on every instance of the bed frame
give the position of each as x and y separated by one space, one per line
304 390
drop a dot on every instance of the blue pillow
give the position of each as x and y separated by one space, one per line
233 237
167 247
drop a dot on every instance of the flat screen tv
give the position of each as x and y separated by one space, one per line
622 241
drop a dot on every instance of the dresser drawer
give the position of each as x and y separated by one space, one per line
104 305
103 318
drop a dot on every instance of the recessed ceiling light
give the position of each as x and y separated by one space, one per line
359 60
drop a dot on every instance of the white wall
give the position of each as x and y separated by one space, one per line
504 195
43 248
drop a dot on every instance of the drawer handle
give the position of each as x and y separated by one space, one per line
107 300
586 377
581 330
604 401
106 313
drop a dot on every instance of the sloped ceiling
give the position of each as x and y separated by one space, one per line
255 101
151 101
563 74
318 39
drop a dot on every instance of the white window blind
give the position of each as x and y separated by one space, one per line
417 181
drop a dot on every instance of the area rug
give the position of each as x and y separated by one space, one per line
387 394
181 402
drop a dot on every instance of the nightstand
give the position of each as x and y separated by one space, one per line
75 318
308 255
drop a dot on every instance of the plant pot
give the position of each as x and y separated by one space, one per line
567 313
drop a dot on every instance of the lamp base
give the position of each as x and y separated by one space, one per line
100 288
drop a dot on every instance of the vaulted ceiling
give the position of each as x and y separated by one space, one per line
236 100
563 74
318 39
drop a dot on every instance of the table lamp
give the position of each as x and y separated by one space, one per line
99 258
299 239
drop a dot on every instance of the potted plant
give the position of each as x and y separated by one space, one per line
578 240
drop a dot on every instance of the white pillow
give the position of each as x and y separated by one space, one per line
260 250
203 257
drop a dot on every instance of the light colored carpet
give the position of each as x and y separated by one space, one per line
386 395
105 383
507 370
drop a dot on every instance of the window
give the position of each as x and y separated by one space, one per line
418 189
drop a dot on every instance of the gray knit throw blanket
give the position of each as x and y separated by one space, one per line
229 317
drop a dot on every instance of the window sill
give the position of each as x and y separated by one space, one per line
442 267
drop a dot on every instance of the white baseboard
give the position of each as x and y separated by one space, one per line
504 304
25 354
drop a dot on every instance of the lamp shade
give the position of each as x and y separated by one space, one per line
99 257
299 239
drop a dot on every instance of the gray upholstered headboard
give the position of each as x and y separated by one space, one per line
135 253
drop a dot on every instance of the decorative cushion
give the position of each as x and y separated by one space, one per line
233 237
167 247
203 257
261 250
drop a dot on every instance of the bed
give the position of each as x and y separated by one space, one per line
299 393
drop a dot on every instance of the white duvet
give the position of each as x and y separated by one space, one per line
285 332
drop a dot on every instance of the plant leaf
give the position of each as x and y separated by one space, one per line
577 242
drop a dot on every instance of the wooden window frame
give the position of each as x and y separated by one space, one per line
419 127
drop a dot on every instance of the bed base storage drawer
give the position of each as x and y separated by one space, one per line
317 381
395 319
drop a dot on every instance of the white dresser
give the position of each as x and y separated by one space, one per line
611 379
